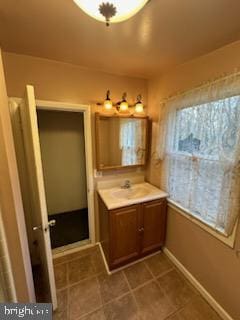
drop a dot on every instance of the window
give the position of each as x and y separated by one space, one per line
196 170
199 128
202 157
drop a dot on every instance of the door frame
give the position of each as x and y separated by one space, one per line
86 110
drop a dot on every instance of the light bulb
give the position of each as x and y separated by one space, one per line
123 106
108 104
139 107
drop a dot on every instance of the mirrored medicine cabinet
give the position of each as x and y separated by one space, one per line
121 141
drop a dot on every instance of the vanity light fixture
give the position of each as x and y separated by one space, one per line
139 105
123 108
108 102
111 11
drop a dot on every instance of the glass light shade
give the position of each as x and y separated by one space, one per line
139 107
123 106
125 9
107 104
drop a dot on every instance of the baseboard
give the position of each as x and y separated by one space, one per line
206 295
104 258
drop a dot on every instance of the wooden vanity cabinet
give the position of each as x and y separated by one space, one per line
124 235
129 233
154 224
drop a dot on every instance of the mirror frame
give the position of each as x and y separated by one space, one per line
97 141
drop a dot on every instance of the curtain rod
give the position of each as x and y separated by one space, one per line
206 84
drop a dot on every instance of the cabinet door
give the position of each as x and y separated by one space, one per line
124 235
153 222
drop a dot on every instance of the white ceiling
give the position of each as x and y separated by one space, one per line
164 34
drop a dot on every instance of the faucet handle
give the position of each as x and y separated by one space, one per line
127 184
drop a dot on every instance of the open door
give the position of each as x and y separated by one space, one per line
37 196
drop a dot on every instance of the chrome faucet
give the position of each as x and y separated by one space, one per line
126 185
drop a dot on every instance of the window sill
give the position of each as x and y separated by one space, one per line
229 241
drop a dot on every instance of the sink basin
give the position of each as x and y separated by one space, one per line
116 197
132 193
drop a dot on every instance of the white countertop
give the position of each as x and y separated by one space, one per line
117 197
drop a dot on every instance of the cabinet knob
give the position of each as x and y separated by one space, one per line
141 230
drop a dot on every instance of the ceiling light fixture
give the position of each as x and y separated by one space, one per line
111 11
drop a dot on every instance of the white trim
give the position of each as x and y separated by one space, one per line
104 258
229 241
90 174
70 247
61 106
7 276
86 110
69 250
206 295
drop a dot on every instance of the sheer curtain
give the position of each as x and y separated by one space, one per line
199 143
132 141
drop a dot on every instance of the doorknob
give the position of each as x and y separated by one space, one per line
37 228
51 223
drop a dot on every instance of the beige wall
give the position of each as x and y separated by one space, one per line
63 156
57 81
63 82
215 265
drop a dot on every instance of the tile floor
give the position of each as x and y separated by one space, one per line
149 290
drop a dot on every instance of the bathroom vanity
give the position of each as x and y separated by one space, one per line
132 222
